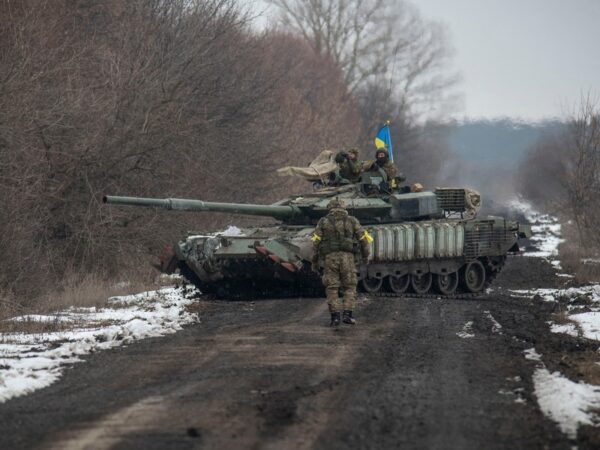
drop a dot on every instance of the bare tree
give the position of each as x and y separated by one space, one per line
562 171
582 178
148 98
377 42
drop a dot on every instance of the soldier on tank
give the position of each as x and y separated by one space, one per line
334 241
350 166
382 163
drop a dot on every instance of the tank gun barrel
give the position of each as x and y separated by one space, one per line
275 211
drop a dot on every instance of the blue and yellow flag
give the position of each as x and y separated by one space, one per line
384 139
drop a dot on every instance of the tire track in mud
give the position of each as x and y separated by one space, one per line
272 374
294 341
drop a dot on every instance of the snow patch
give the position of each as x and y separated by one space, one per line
567 403
547 239
590 293
532 355
564 328
589 323
546 230
231 230
467 331
496 327
31 361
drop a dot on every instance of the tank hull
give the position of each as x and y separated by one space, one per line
446 257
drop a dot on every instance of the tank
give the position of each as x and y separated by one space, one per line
428 243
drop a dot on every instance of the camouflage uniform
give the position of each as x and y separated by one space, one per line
388 167
335 240
349 169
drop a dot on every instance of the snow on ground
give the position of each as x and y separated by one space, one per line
566 402
496 327
582 305
31 361
467 331
547 237
565 328
546 231
588 323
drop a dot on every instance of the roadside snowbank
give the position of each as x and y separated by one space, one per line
32 361
567 403
545 228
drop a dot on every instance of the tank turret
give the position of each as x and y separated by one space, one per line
308 208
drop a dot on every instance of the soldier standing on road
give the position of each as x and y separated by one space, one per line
350 166
334 242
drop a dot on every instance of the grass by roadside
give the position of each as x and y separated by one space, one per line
580 260
79 291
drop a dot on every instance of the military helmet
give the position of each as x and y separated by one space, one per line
353 151
335 203
383 150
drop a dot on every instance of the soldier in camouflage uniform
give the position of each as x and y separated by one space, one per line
382 162
350 166
335 239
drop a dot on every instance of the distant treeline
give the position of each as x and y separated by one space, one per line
181 98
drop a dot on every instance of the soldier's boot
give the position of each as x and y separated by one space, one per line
335 319
348 318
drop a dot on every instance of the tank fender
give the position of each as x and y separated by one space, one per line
279 254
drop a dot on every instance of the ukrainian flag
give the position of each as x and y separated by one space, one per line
384 139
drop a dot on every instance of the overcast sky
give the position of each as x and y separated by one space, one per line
520 58
527 58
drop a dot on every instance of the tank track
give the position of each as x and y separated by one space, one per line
457 296
241 294
492 274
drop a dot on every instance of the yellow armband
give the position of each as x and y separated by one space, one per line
315 237
367 236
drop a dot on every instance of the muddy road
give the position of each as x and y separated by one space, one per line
436 374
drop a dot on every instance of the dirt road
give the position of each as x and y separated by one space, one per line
438 374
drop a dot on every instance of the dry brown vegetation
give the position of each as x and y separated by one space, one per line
581 261
152 98
562 174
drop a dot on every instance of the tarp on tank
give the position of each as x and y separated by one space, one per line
318 170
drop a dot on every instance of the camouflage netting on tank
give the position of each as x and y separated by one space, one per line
318 170
472 202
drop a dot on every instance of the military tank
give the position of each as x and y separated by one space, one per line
427 243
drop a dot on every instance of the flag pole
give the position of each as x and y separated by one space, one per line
391 150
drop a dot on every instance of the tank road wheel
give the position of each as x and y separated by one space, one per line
473 276
421 283
398 284
372 285
446 284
